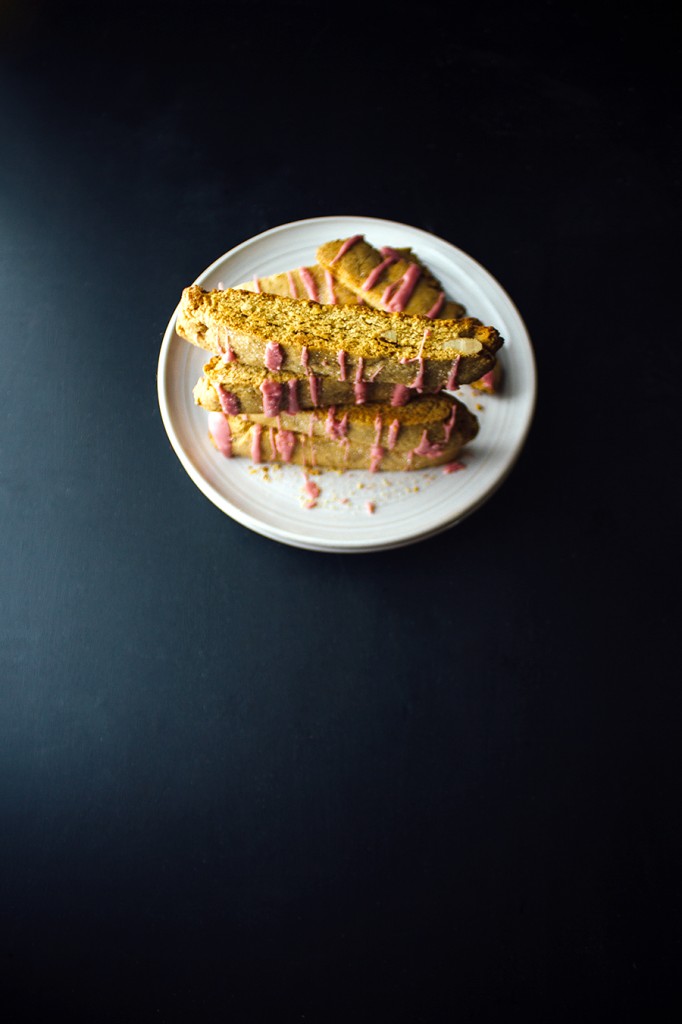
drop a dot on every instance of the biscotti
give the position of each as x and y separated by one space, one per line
429 431
346 341
387 278
234 388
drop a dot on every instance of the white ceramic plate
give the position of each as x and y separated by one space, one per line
356 511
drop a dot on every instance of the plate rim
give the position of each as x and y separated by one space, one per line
359 545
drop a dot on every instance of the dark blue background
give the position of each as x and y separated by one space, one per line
240 781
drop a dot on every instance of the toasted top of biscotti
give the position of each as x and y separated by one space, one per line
251 321
387 278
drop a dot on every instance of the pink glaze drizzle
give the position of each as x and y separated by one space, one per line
330 287
449 424
256 431
313 387
285 440
274 355
488 381
359 386
341 357
418 382
436 307
370 507
407 285
272 397
256 284
292 285
401 395
375 373
378 425
229 403
452 378
428 448
304 357
292 401
375 274
453 467
376 455
336 430
311 492
388 292
386 250
393 432
309 283
219 430
348 244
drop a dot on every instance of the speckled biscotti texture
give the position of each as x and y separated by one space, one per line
355 341
312 282
379 277
233 387
428 432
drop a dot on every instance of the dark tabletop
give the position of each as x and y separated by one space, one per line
242 781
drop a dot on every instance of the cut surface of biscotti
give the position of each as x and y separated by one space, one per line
233 388
430 431
312 282
387 278
344 341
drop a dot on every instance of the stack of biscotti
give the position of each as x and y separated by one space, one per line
342 355
395 280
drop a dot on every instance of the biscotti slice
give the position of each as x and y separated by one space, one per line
430 431
349 342
312 282
387 278
233 388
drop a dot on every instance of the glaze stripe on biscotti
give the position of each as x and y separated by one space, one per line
387 278
394 348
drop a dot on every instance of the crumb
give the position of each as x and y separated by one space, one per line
370 507
311 492
480 407
360 486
